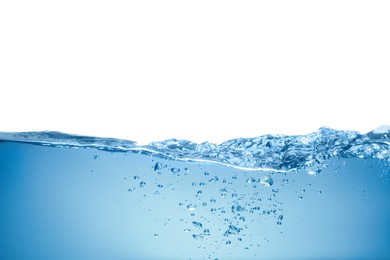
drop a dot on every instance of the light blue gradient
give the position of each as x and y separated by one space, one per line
66 203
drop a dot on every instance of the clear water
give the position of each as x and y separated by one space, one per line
322 196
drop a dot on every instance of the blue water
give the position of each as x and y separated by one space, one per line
320 196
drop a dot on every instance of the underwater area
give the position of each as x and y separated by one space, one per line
324 195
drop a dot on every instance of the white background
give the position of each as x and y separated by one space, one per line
198 70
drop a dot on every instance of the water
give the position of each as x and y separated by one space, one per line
324 195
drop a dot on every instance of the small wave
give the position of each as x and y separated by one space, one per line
275 152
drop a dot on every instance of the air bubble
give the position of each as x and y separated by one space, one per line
267 181
175 170
197 224
158 166
191 207
250 180
214 179
197 237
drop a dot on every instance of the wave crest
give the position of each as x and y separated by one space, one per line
276 152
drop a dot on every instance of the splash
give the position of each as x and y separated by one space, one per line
268 152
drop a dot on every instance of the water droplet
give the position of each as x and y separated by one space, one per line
267 181
239 239
242 218
160 186
300 197
95 157
198 237
228 242
156 235
204 204
199 192
191 207
187 230
275 190
187 170
136 177
320 191
202 184
279 222
197 224
206 232
142 184
213 201
280 217
206 173
234 195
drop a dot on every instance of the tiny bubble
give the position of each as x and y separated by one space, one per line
191 207
197 237
175 170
